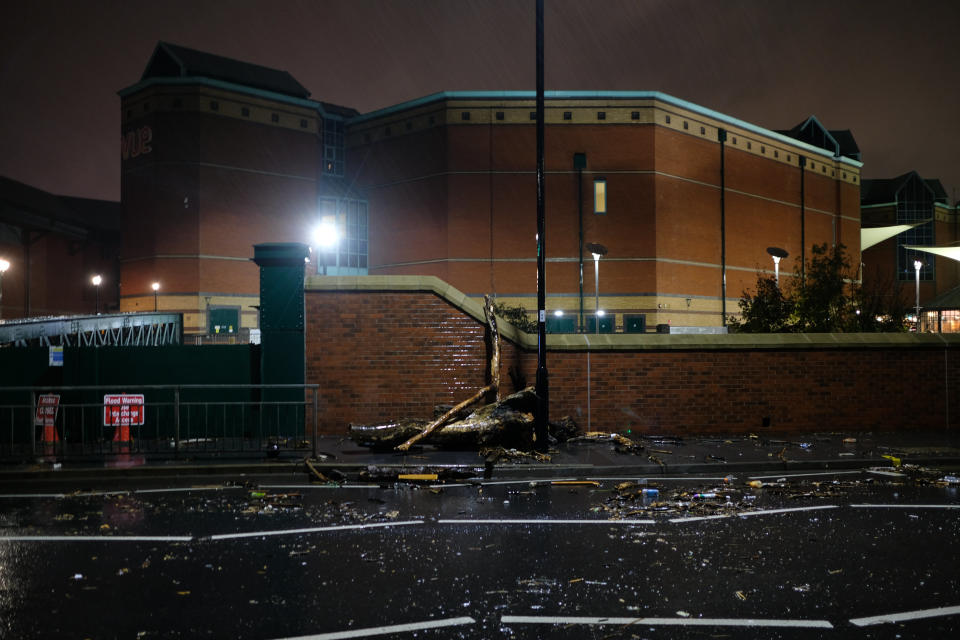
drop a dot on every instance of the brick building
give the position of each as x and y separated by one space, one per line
219 155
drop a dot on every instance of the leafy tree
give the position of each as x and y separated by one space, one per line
825 297
517 316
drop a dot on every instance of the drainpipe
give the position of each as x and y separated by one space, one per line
722 137
803 230
579 163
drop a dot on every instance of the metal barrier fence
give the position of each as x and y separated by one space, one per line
161 420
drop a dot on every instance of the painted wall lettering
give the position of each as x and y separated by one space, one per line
136 143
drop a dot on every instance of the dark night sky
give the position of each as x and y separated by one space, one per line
886 69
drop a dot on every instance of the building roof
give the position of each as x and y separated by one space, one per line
948 300
170 60
840 142
885 190
27 207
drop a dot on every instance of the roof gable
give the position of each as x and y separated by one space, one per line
169 60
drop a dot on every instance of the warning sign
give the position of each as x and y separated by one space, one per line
122 409
47 406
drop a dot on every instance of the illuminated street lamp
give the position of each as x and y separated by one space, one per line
96 280
325 237
777 254
917 265
597 250
4 265
156 287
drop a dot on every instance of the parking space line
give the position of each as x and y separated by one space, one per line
683 520
287 532
906 615
379 631
677 622
543 521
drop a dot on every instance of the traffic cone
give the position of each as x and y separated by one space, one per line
121 435
50 434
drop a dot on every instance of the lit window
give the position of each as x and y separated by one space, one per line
600 195
333 147
349 254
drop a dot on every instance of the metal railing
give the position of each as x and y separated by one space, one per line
177 420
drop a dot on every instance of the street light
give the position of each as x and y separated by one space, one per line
156 287
597 250
777 254
325 236
4 265
96 280
916 267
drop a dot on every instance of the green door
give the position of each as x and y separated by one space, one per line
224 320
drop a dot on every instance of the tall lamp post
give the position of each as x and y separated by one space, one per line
96 280
917 265
597 250
777 254
4 265
156 287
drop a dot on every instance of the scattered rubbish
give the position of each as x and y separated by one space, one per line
575 580
895 460
683 614
705 496
741 595
716 458
656 460
418 476
494 454
849 440
78 576
951 479
802 588
662 451
782 455
588 483
834 572
756 484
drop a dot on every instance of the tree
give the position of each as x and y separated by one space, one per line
823 298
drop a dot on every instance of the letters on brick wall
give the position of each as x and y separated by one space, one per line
136 143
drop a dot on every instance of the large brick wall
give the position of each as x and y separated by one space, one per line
384 348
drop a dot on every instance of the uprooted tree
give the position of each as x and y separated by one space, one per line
505 422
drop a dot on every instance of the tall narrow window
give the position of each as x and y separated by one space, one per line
600 195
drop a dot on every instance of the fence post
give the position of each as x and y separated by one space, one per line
31 416
176 421
316 392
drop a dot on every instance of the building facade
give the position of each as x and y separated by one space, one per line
683 202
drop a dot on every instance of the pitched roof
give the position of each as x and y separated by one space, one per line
948 300
170 60
30 208
884 190
840 142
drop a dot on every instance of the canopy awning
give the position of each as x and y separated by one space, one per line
875 235
947 252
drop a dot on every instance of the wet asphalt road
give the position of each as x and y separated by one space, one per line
278 560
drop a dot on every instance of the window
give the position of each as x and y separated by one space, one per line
734 139
812 166
431 120
409 126
776 154
567 115
386 131
274 117
914 204
146 106
600 195
601 115
333 147
214 105
703 131
245 112
788 157
668 119
533 115
464 115
749 146
686 125
303 123
499 116
349 255
634 115
763 149
177 103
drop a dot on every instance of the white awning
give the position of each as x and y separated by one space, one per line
875 235
947 252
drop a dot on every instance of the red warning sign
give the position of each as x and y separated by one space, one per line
122 409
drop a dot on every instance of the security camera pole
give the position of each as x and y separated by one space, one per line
542 417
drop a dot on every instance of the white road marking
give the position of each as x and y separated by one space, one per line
893 474
802 475
906 615
379 631
544 521
287 532
692 622
544 481
698 518
96 538
656 478
767 512
905 506
186 489
318 486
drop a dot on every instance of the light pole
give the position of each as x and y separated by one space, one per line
325 237
4 265
96 280
597 250
917 265
156 287
777 254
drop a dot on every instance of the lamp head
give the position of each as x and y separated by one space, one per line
155 286
96 280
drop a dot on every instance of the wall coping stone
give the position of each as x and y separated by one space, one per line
634 341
